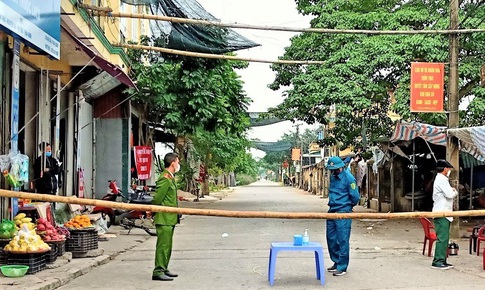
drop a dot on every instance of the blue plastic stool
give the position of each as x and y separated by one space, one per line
288 246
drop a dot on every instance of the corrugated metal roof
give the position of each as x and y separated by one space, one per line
467 161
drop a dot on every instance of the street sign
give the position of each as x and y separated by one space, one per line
37 23
314 147
295 154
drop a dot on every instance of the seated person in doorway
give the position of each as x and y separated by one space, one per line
46 168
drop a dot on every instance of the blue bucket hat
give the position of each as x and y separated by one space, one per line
334 162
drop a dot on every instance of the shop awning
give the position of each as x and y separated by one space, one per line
468 161
112 69
408 131
472 140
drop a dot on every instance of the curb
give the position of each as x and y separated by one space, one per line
63 278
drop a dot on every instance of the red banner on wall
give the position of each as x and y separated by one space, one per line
143 161
427 86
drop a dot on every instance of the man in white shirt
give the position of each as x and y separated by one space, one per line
443 195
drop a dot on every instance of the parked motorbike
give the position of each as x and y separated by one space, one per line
128 219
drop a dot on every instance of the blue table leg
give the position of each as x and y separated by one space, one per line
317 265
272 266
320 266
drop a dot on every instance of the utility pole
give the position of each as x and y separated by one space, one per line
453 117
298 140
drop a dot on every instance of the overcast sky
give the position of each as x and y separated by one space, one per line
257 76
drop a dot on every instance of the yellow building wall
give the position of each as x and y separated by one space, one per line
43 62
111 26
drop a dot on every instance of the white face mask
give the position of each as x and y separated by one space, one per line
177 168
448 173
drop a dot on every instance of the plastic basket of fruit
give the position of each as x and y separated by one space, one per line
35 261
14 270
51 256
82 241
79 222
60 246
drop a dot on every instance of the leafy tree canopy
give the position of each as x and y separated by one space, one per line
361 70
227 152
184 93
273 160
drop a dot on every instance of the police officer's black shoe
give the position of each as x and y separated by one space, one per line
170 274
162 277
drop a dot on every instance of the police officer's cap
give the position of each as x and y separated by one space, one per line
443 163
334 162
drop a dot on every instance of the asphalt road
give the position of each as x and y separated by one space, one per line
384 254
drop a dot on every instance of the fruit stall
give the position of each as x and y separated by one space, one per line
37 242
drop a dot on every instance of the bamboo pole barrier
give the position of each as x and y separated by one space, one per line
237 214
102 11
215 56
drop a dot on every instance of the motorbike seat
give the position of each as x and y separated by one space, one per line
142 201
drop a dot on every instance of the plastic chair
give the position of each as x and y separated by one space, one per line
429 234
472 240
483 259
480 238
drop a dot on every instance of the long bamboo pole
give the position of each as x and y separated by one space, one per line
215 56
237 214
104 12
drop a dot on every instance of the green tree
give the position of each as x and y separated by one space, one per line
202 99
223 153
360 70
185 93
273 160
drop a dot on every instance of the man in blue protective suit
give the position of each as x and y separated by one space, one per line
347 164
343 195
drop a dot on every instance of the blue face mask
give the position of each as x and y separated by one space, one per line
48 154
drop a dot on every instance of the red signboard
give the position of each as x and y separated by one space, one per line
427 81
143 161
285 164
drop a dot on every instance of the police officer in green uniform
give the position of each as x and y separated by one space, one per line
166 195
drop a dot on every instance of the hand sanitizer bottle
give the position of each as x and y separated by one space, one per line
306 238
